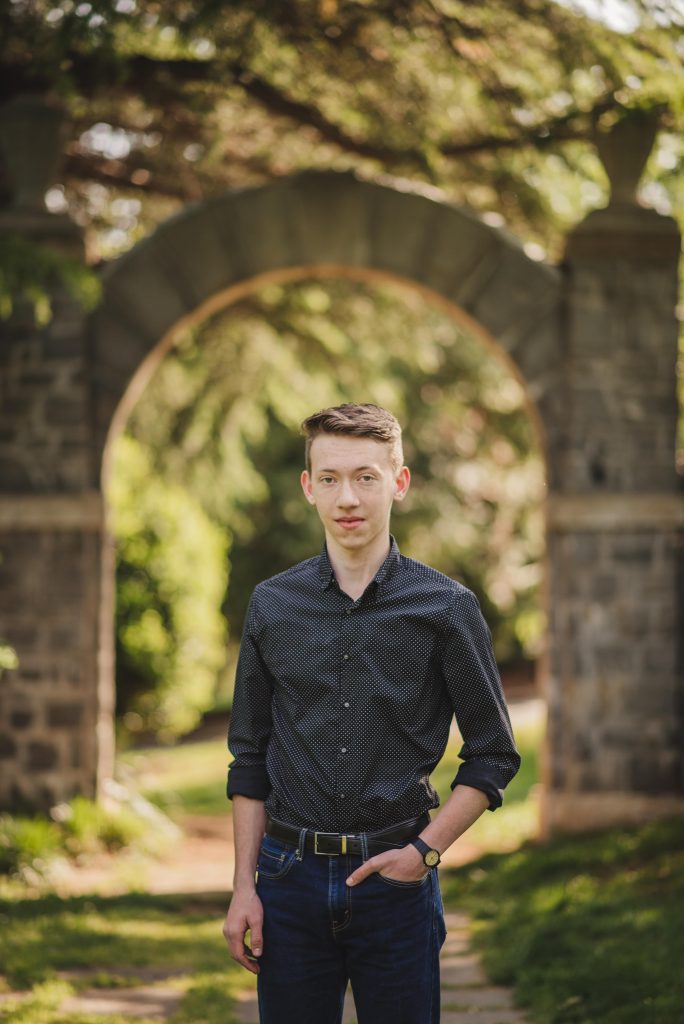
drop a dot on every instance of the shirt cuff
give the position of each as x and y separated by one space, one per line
248 780
481 777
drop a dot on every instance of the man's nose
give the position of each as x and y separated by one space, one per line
346 495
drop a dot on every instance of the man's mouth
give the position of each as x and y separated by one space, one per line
349 522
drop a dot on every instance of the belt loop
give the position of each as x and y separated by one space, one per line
364 845
300 845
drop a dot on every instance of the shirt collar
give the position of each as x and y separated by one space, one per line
327 573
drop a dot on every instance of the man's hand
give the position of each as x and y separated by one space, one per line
245 914
404 865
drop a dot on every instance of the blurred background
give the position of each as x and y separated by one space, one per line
495 107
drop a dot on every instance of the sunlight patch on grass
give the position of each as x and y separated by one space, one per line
119 936
186 779
39 937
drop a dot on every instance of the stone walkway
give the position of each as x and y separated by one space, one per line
467 996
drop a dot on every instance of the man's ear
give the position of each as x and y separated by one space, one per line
305 481
402 483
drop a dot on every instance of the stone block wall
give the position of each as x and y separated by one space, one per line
622 357
55 707
52 705
45 432
614 686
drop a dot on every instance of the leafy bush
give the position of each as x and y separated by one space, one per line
88 827
29 846
171 580
27 843
30 272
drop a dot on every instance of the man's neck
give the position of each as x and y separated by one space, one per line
355 569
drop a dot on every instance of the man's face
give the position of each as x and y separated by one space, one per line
353 484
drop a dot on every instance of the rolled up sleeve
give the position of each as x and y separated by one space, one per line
490 759
250 720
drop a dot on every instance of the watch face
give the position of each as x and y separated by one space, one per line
432 858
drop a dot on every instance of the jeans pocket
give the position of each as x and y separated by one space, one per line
404 885
275 858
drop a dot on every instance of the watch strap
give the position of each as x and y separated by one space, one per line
431 857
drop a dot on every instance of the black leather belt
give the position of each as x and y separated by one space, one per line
332 844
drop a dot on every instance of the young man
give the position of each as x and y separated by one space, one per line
351 667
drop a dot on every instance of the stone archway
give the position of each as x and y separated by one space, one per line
557 329
325 224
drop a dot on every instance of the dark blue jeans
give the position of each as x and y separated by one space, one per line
383 935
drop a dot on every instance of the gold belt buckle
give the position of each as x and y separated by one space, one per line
324 853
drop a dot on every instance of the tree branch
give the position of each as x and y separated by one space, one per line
161 81
119 174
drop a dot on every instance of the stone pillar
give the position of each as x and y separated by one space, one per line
55 559
616 519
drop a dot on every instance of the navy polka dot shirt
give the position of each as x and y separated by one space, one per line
342 708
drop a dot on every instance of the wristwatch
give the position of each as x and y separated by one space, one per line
431 856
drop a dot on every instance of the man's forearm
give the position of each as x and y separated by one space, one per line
464 806
249 822
245 913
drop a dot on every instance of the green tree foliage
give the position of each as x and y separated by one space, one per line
30 273
223 411
171 575
494 103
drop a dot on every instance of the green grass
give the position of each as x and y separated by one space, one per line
117 937
185 779
589 930
209 998
39 936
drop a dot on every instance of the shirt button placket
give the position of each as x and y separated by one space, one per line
344 739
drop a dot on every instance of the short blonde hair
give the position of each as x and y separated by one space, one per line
365 420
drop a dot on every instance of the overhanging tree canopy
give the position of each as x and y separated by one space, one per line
173 101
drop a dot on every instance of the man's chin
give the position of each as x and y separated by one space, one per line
350 538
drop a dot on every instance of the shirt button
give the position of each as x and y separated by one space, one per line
346 703
346 657
347 611
341 796
343 749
